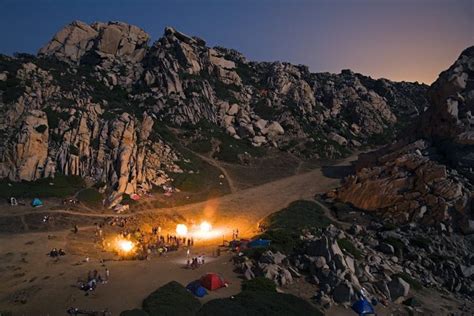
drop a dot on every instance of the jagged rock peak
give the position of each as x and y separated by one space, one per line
76 39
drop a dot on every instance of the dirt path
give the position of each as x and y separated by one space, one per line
217 164
242 208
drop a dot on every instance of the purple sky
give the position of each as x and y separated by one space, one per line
399 40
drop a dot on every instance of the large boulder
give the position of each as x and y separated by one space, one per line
113 38
398 288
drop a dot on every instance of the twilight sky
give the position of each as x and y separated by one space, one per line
399 40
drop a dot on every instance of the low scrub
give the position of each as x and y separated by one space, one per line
259 303
59 186
171 299
90 197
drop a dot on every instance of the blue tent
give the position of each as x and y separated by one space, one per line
196 288
36 202
363 307
259 243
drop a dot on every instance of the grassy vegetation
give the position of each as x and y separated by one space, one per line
421 242
90 197
229 148
171 299
347 246
284 227
397 244
62 186
264 111
297 216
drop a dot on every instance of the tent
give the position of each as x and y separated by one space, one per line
196 288
363 307
259 243
212 281
36 202
135 197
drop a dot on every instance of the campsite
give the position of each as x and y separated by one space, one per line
202 157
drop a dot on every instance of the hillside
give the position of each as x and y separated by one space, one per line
100 102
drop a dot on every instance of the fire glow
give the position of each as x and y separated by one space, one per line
203 231
124 246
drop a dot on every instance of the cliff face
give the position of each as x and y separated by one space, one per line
430 179
95 100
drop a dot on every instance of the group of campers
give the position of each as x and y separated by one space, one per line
94 278
147 243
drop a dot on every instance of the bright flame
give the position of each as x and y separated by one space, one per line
181 230
125 245
205 227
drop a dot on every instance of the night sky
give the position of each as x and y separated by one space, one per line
399 40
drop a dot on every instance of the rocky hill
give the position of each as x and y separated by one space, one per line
428 176
99 101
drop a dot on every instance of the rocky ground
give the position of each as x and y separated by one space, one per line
391 265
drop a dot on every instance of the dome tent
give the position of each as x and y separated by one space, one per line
212 281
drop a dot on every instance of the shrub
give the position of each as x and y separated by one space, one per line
297 216
90 197
421 242
73 150
12 89
259 284
397 244
415 284
53 118
62 186
134 312
346 245
171 299
283 227
41 128
259 303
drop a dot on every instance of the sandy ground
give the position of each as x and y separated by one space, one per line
31 283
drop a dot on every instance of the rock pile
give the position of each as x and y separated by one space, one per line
384 263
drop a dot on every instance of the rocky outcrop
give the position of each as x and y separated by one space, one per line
428 180
26 157
407 185
345 265
115 39
449 121
106 95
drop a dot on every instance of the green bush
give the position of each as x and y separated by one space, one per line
12 89
53 117
347 246
421 242
90 197
259 303
73 150
134 312
297 216
397 244
259 284
41 128
284 227
416 285
171 299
